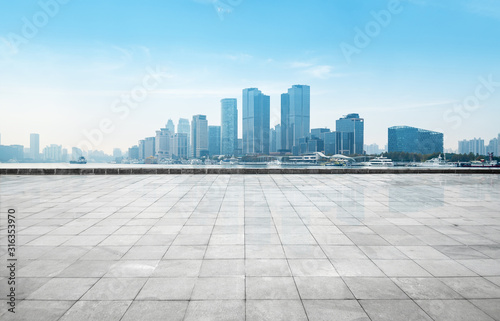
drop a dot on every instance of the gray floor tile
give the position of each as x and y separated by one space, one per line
167 289
453 310
426 289
271 288
177 268
388 310
267 267
61 289
156 310
232 288
322 288
374 288
334 310
114 289
216 310
275 310
96 310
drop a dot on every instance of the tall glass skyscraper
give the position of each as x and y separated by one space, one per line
295 115
184 127
170 126
256 121
229 126
352 123
415 140
34 146
199 136
214 140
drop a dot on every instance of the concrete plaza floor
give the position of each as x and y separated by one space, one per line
253 247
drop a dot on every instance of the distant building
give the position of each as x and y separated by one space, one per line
76 153
199 136
149 147
162 143
275 139
214 140
52 153
179 146
373 149
184 127
229 126
474 146
239 151
414 140
493 147
34 147
295 115
142 149
117 152
352 123
256 122
338 143
170 126
133 152
12 152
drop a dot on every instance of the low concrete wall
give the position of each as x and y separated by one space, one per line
336 170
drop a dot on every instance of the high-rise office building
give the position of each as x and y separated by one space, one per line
493 147
34 146
179 146
256 121
474 146
142 149
117 152
295 115
414 140
170 126
184 127
352 123
275 139
53 153
133 152
199 136
338 143
214 139
149 147
229 126
162 143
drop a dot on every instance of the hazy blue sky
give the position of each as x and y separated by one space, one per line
63 73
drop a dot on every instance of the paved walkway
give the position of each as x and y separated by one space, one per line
254 247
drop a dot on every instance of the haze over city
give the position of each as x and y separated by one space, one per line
428 64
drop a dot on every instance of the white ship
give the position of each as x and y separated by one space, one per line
381 162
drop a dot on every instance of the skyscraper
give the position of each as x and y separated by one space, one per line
199 136
414 140
162 143
214 139
256 122
149 147
475 146
170 126
352 123
286 138
179 146
184 127
34 146
229 126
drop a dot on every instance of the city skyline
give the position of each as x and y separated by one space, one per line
68 76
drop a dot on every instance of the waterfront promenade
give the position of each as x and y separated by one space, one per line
253 247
